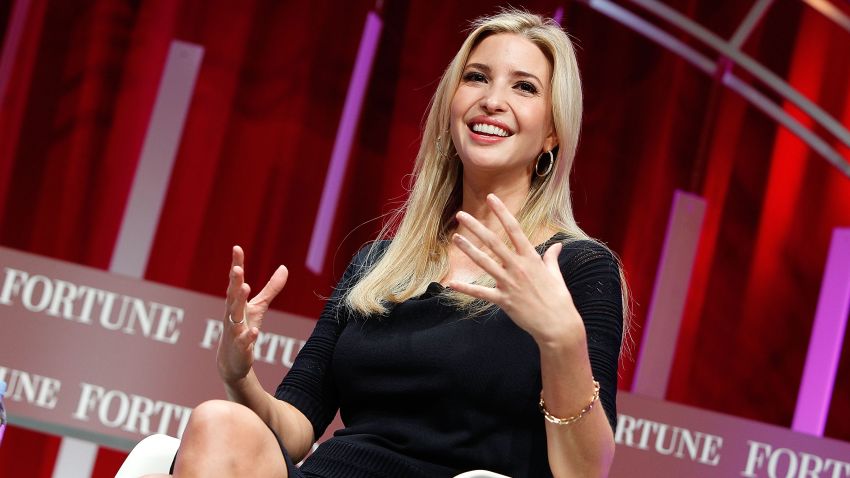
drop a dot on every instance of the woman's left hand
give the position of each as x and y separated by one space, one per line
529 288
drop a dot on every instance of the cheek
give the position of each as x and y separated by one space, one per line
456 108
539 121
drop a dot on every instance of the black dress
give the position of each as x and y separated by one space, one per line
426 391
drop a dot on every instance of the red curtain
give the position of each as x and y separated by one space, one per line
261 126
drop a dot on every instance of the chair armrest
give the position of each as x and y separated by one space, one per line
480 474
154 454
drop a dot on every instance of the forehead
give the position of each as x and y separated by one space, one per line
512 52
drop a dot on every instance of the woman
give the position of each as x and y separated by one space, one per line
442 346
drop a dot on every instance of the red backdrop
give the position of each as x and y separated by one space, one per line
262 122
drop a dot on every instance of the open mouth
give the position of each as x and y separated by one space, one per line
486 129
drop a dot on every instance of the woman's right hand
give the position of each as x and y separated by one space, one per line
235 354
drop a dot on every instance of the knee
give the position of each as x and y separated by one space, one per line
221 416
216 436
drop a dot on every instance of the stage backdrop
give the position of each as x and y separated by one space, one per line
113 359
260 129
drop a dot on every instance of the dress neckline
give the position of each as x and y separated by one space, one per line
436 287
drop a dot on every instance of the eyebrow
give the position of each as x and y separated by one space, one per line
519 73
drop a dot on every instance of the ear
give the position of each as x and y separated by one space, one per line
550 141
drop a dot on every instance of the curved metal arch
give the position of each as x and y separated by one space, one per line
730 51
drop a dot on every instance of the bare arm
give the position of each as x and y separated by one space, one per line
287 421
235 358
586 447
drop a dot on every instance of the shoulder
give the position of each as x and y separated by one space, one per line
370 253
588 261
579 252
585 250
366 257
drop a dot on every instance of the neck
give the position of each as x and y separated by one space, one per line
512 189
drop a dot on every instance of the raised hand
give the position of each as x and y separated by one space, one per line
243 319
529 288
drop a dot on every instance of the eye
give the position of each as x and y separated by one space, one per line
526 87
475 76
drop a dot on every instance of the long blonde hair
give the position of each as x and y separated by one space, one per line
417 254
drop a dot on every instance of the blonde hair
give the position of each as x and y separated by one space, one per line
417 254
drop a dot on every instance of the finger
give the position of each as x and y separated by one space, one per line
478 256
272 287
478 291
550 257
238 256
237 278
247 337
238 309
512 227
486 236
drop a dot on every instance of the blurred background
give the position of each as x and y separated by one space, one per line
262 120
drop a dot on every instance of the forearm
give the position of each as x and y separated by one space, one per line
288 422
584 448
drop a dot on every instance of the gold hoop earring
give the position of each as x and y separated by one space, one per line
550 162
439 149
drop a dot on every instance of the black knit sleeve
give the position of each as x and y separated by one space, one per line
309 385
593 278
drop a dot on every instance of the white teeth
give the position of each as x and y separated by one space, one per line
489 129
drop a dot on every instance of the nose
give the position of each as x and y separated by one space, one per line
493 100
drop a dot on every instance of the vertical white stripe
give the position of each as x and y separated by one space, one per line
661 330
76 459
14 32
141 216
826 340
342 144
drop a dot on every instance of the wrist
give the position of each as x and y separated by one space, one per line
235 384
562 339
574 418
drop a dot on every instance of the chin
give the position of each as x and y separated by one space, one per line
486 163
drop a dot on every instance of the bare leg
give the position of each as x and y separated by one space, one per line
228 439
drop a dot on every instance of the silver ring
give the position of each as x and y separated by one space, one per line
230 318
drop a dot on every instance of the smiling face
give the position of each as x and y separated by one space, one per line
501 114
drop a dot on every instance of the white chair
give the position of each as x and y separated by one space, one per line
155 453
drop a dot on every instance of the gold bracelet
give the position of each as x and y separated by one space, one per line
574 418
